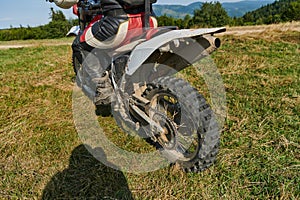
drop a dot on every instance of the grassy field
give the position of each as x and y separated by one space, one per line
43 158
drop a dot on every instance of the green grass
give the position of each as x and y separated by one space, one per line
42 156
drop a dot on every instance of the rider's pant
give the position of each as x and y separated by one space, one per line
106 33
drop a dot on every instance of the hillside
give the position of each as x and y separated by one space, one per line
176 11
236 9
279 11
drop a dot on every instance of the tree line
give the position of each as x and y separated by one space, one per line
213 15
279 11
56 28
210 14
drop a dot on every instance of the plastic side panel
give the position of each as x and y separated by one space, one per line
73 31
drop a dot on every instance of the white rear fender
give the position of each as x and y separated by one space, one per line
144 50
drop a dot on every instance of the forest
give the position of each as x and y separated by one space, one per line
210 14
57 28
213 15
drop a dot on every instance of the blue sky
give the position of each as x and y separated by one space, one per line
36 12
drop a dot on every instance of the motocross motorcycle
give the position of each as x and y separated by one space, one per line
149 98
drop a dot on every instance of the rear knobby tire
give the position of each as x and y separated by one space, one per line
195 106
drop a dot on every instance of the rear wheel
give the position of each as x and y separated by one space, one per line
190 133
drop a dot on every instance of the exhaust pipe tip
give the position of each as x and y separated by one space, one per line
217 42
210 42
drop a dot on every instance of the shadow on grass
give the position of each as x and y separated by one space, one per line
87 178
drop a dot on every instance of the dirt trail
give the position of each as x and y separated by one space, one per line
15 46
249 30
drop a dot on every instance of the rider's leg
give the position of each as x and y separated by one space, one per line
76 49
102 35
